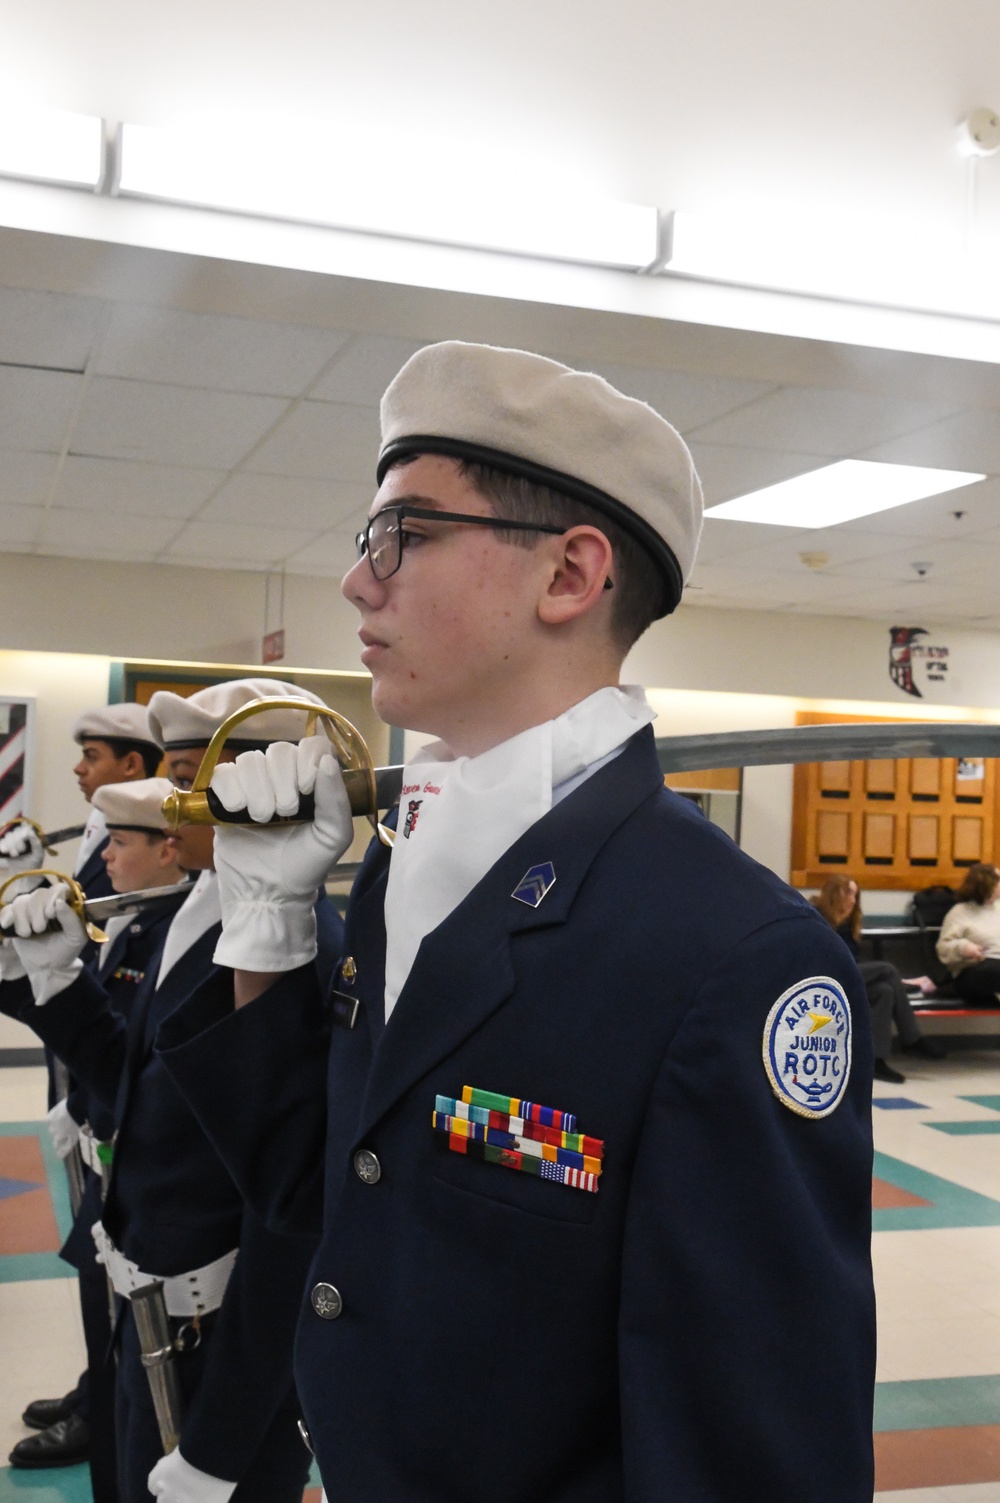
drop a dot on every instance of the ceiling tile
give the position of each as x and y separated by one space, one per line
230 544
19 525
727 471
322 441
36 408
774 586
275 500
48 328
204 350
781 548
965 441
125 486
171 424
26 479
364 369
891 563
807 420
683 399
120 535
330 556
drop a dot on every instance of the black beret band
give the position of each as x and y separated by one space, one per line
200 743
539 474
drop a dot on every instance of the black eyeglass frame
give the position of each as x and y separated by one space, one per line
428 514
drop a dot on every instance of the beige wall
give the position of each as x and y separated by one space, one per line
710 670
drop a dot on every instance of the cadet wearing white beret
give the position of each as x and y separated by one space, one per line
172 1210
594 1201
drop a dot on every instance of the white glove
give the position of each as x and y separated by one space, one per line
20 851
176 1481
268 878
51 960
64 1132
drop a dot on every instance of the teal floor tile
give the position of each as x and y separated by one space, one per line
991 1103
932 1403
966 1129
65 1484
951 1204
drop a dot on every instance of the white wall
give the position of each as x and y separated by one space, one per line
846 107
217 615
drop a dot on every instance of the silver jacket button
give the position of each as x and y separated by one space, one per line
326 1301
367 1166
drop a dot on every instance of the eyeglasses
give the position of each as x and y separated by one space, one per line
382 539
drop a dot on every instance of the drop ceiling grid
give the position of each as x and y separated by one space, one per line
238 442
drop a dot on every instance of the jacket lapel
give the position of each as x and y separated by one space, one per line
463 970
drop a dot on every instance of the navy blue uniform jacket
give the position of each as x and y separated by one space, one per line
701 1330
172 1206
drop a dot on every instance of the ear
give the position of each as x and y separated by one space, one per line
582 562
135 767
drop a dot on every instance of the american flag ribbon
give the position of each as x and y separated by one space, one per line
561 1174
477 1140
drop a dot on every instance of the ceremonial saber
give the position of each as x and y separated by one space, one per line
781 746
49 838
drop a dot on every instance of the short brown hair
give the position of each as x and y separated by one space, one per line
638 584
980 884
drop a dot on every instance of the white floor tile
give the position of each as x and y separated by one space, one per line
43 1347
22 1093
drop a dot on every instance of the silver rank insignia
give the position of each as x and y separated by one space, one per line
536 882
807 1046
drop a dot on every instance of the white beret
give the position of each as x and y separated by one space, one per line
178 722
127 722
134 806
558 427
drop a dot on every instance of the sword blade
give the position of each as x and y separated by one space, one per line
789 744
100 909
53 838
827 743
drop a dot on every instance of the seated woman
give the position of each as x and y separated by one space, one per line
839 901
970 937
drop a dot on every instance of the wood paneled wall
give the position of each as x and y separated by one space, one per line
902 825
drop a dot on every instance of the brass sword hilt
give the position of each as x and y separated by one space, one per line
200 806
76 900
22 819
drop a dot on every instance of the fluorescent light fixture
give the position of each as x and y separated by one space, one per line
884 262
840 492
51 146
302 178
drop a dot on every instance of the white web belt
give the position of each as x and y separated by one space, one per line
186 1294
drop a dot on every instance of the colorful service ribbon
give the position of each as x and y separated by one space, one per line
477 1126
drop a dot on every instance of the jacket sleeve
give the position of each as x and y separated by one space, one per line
747 1326
81 1028
16 1000
256 1080
953 937
247 1377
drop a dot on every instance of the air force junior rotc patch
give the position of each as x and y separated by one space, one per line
807 1046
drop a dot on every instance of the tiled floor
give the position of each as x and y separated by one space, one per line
936 1252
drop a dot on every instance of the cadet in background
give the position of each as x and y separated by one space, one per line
172 1211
